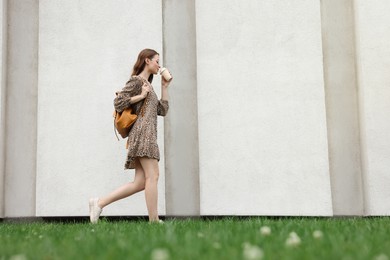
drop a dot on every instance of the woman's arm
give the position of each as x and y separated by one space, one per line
132 93
163 106
164 88
164 93
138 98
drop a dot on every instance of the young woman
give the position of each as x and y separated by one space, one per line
143 152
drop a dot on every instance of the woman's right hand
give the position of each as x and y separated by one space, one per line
145 90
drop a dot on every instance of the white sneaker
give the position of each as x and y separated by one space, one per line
94 210
156 221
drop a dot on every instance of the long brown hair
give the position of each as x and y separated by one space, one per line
140 63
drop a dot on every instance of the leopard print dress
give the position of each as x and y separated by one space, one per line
142 139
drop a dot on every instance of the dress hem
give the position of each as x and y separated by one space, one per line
130 164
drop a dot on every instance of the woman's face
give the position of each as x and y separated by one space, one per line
154 65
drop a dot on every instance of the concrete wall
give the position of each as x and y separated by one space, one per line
3 79
21 108
276 108
86 53
342 106
262 124
373 65
182 151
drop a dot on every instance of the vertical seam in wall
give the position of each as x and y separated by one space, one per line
197 110
6 108
326 106
196 98
4 81
36 112
164 52
362 147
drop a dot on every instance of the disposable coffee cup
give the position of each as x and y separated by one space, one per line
164 72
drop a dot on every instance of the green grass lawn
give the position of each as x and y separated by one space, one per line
217 238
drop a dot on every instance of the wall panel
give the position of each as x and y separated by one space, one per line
261 109
86 53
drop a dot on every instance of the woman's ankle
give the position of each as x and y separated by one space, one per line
100 204
154 219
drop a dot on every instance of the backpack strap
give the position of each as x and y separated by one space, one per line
114 115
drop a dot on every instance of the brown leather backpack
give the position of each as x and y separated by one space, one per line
124 120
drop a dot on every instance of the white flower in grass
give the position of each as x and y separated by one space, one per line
18 257
293 240
160 254
265 231
252 252
317 234
216 245
381 257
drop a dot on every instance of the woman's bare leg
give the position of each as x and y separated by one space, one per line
150 167
127 189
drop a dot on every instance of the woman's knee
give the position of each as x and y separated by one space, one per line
139 180
152 176
150 167
139 184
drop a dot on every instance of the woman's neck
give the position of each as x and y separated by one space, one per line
144 74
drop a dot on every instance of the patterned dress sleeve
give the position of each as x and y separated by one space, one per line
162 107
133 88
